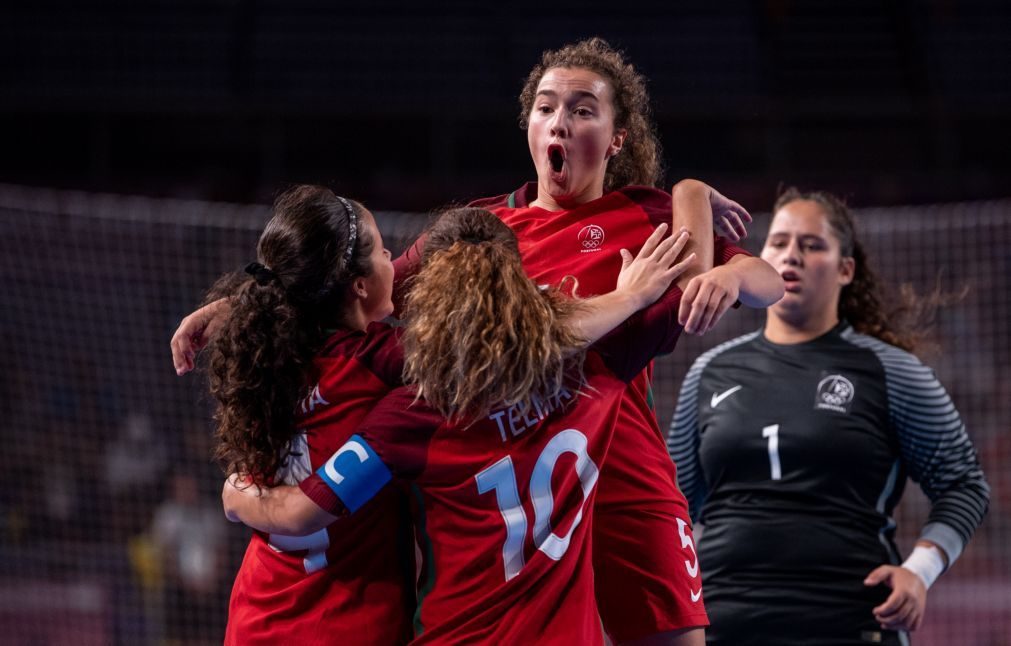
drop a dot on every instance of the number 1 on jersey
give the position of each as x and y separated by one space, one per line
772 433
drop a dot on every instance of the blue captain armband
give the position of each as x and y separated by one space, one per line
355 473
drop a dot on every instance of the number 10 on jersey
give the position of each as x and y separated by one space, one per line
501 478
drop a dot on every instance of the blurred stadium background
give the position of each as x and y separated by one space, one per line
142 143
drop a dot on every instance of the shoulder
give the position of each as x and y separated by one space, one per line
724 349
894 360
654 202
400 429
521 197
377 348
908 380
647 196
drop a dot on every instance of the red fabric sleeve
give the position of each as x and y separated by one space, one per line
724 250
629 348
399 430
406 265
382 353
322 495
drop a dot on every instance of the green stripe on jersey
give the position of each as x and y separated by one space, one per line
425 545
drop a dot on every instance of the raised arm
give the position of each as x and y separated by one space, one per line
710 287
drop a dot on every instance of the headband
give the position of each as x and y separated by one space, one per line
352 230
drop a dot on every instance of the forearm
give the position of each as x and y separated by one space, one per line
276 510
599 315
693 211
761 286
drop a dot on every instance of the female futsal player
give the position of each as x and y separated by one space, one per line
794 443
503 434
301 335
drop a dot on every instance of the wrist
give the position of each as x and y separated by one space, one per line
925 562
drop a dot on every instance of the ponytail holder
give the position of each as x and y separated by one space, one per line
260 273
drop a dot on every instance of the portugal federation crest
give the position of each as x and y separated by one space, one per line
591 238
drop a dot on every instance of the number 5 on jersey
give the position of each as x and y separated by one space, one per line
501 478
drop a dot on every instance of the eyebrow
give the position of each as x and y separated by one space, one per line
583 94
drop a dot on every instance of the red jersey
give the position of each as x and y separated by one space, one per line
355 585
505 504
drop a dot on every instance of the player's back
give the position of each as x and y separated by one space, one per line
504 512
349 584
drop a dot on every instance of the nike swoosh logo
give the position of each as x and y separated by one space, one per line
723 395
696 595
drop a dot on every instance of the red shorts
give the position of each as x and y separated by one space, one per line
646 572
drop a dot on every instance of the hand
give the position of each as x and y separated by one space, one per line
904 607
233 494
707 298
650 273
728 216
195 331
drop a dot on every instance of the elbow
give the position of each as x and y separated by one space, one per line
689 188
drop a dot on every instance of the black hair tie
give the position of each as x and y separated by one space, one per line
260 273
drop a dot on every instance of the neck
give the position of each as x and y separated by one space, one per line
786 330
354 317
550 202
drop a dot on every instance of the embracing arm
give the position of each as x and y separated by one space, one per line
276 510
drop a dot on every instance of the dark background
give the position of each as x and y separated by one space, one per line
408 107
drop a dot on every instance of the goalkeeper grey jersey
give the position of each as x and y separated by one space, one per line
793 458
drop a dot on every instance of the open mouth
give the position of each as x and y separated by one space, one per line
556 157
791 280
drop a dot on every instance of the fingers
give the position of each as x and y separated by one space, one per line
679 268
672 246
902 617
186 342
877 575
653 241
712 312
728 228
904 607
698 307
691 292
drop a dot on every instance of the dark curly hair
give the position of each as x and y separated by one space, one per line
906 322
261 363
640 159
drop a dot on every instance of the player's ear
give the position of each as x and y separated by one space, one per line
617 141
359 289
847 270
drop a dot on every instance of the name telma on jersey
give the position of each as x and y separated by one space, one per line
510 417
